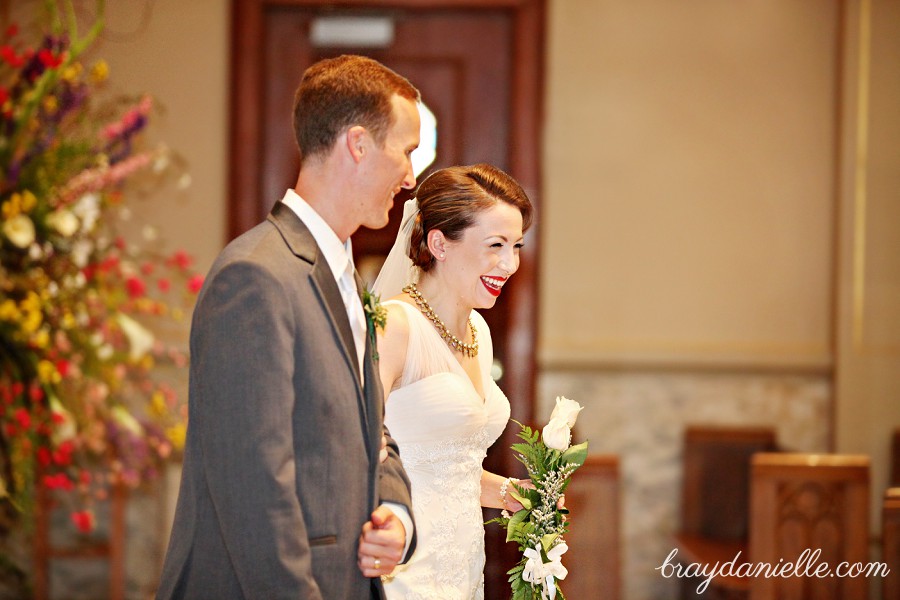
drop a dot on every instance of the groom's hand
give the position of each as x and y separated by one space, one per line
381 543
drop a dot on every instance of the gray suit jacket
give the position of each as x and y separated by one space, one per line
281 462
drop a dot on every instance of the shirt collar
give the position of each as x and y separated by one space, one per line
337 255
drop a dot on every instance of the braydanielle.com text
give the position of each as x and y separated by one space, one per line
807 565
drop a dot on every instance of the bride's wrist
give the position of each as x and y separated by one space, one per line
504 504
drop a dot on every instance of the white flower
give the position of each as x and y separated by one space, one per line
64 222
556 434
567 410
19 230
65 428
88 210
545 573
126 420
140 340
81 252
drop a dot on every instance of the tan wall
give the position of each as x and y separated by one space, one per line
868 350
180 55
690 183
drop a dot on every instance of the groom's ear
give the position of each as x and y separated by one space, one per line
355 140
437 243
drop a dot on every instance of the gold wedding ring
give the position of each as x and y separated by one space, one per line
377 563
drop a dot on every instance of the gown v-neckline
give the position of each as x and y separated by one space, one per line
460 371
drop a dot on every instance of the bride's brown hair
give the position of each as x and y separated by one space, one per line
449 200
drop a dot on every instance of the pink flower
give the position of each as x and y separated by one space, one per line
135 287
195 283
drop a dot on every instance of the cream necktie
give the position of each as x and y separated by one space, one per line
355 313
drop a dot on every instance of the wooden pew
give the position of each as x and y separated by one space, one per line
890 543
112 549
806 502
594 559
715 502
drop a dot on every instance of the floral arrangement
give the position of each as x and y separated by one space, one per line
82 405
538 528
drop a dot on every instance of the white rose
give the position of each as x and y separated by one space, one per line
556 434
567 410
64 222
19 230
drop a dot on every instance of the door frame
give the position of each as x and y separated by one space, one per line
524 153
523 161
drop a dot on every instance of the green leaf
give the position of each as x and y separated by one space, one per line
515 523
524 501
547 541
576 454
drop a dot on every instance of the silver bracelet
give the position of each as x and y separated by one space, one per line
503 487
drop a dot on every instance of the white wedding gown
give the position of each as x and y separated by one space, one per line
443 428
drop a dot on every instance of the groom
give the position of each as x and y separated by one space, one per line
284 493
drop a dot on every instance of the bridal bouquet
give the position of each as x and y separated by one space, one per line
539 527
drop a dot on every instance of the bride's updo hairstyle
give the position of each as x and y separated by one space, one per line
450 200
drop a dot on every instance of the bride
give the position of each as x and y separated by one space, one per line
457 247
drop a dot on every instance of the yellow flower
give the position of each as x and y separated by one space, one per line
41 339
100 71
68 320
158 404
9 311
72 72
177 434
47 372
50 104
29 201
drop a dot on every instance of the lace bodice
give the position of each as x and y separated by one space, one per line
443 428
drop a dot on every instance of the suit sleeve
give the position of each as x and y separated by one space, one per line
242 405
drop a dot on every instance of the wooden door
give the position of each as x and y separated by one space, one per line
478 67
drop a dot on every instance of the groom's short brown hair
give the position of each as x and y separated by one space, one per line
338 93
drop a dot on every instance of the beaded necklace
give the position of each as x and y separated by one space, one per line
470 350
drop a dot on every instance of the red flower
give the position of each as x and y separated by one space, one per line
17 388
36 393
135 287
43 456
147 268
23 417
62 366
48 59
8 54
164 284
84 520
195 283
60 481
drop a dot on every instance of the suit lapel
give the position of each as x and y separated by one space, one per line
302 244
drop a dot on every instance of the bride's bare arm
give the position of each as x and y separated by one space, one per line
490 492
392 343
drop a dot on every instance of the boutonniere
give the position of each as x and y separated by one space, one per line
376 317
